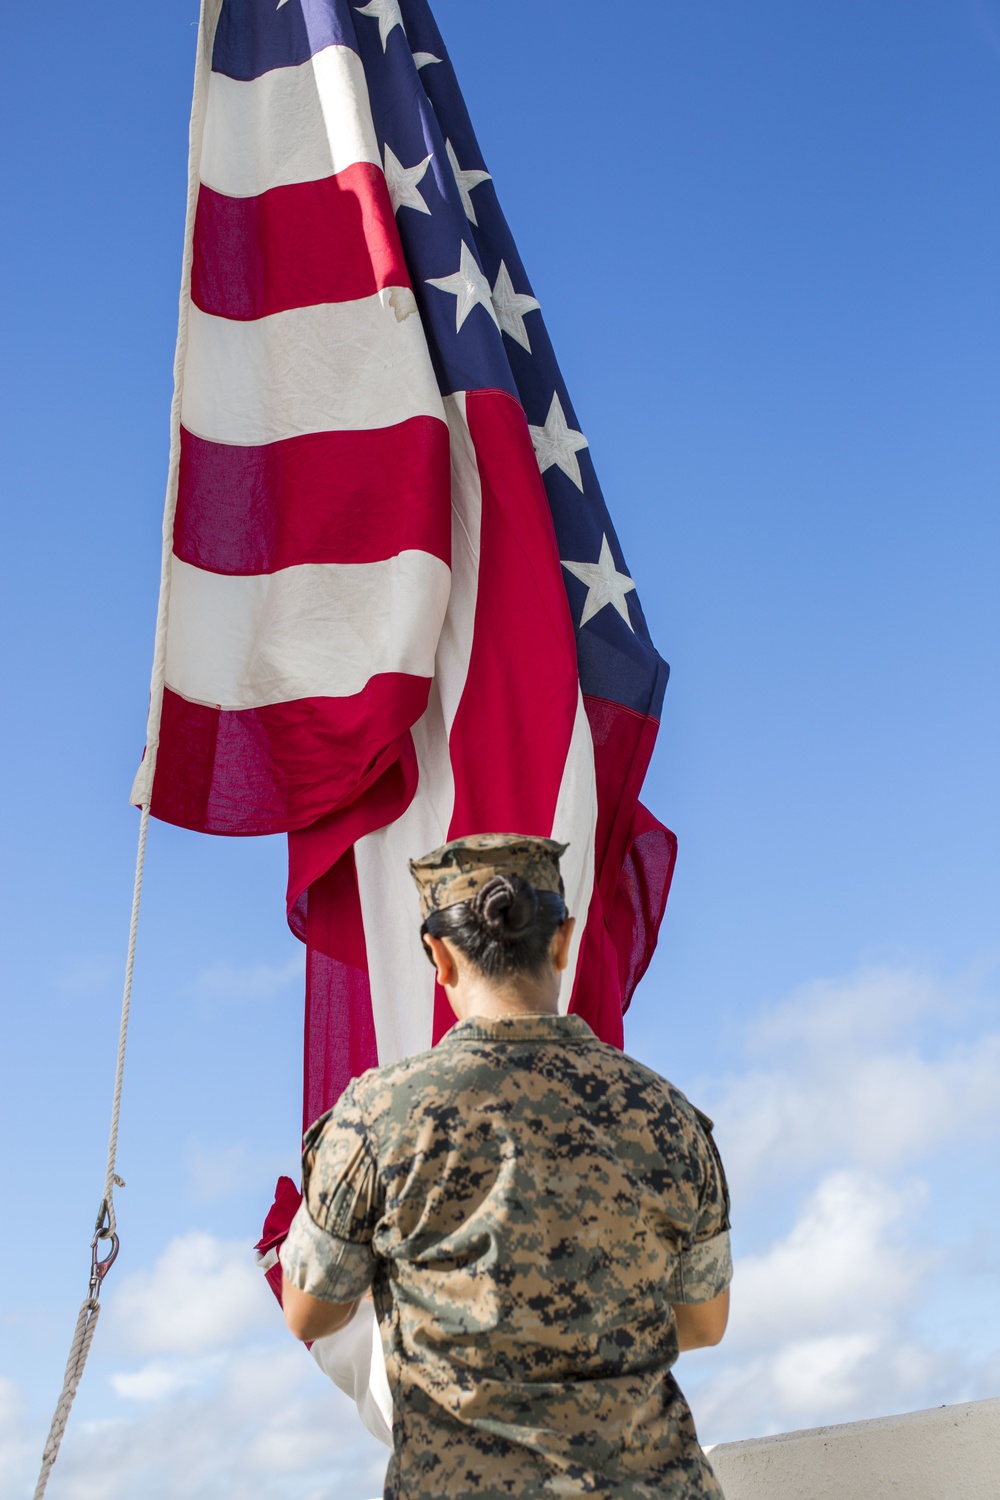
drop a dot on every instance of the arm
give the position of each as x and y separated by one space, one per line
701 1324
700 1288
311 1318
327 1261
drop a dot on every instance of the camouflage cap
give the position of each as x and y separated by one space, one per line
456 871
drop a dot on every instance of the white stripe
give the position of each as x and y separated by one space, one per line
402 980
575 824
340 366
290 125
353 1359
317 630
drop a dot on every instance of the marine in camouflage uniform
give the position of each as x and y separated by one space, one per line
526 1204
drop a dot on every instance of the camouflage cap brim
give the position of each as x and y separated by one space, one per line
459 869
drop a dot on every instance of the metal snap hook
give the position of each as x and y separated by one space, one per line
100 1266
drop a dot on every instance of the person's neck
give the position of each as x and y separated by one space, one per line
491 1002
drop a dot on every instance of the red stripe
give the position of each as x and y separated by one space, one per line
513 727
340 1029
620 937
641 898
623 744
597 994
268 770
312 850
324 497
634 864
512 730
296 246
324 908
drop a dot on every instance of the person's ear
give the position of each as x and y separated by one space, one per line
444 959
561 944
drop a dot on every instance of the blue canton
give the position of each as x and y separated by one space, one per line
484 330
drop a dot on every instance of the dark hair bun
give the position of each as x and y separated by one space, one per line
506 907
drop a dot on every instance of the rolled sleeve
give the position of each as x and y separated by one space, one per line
704 1266
703 1271
328 1252
317 1262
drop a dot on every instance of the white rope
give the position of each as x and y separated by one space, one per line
110 1180
104 1229
79 1349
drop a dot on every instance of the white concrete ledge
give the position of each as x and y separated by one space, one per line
948 1453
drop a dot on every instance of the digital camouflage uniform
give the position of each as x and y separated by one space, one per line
526 1204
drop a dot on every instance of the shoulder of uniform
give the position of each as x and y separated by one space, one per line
419 1068
667 1092
645 1074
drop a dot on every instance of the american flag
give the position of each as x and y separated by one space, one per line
394 609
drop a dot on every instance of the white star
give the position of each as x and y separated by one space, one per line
402 183
423 58
511 307
467 178
387 13
468 285
605 585
558 443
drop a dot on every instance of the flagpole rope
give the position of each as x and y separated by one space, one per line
104 1228
110 1180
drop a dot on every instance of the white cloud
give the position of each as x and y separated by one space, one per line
265 1423
819 1322
847 1082
247 982
160 1378
870 1006
228 1403
201 1295
836 1268
810 1373
849 1089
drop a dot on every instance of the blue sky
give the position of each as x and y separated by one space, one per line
765 241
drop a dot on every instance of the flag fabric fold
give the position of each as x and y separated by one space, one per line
394 609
